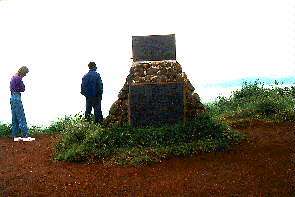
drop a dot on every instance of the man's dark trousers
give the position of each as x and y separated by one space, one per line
95 103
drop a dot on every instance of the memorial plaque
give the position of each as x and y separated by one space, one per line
153 48
156 104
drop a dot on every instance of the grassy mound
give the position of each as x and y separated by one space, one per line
255 101
83 141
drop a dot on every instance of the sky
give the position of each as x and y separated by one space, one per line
217 42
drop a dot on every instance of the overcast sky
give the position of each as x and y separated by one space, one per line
216 41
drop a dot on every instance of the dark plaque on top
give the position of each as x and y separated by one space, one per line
154 48
156 104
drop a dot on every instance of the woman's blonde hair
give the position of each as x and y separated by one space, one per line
23 70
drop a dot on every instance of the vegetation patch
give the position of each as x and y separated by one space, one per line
84 141
55 127
5 130
255 101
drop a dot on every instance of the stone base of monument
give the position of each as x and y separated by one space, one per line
154 72
156 104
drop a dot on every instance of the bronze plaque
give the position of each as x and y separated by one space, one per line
154 48
156 104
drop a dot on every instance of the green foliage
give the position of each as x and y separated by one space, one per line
59 125
76 132
55 127
5 130
83 141
254 100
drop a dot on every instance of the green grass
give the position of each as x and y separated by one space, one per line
55 127
83 141
255 101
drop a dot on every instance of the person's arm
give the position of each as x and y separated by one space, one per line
83 86
22 86
19 85
100 85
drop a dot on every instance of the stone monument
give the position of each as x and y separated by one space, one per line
154 67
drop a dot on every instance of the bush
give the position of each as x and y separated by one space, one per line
55 127
5 130
83 141
249 91
59 125
258 102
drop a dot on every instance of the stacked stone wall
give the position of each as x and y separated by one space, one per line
154 72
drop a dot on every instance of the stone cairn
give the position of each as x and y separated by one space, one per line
154 72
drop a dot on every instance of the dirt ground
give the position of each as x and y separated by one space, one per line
262 166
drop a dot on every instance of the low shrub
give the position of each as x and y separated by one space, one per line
83 141
58 125
55 127
256 101
5 130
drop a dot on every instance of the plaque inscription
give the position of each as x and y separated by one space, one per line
156 104
154 47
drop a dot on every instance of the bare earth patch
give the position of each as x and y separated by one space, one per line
264 165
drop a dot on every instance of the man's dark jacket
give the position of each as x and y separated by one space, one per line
91 84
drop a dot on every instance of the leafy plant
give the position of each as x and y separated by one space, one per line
83 141
256 101
5 130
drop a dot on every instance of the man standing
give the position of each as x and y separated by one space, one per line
92 89
17 111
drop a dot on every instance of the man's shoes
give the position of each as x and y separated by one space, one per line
28 139
16 139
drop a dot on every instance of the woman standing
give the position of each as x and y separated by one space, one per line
17 111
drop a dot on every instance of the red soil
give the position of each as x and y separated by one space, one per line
264 165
